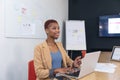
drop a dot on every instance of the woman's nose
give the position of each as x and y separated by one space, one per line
57 30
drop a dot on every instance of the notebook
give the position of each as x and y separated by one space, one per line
88 65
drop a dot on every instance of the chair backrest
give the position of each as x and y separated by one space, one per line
83 53
31 71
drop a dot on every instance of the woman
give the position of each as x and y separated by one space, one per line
50 57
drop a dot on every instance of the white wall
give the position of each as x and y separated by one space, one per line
16 52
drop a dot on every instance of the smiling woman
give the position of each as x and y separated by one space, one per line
50 57
52 29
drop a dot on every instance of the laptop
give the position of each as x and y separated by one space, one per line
115 53
88 65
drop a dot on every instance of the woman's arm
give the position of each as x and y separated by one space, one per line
40 70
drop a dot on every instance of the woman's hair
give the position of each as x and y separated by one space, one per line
48 22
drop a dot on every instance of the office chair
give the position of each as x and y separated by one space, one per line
31 70
83 53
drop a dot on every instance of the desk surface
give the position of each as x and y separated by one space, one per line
104 76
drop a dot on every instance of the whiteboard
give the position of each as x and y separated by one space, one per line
75 35
23 19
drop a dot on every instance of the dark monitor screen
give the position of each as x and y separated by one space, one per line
109 26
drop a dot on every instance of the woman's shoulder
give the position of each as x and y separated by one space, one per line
39 45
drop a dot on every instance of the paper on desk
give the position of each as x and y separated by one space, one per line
105 67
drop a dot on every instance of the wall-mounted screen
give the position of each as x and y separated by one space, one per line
109 26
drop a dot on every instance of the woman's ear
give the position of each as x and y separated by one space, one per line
46 30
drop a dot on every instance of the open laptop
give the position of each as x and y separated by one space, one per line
88 65
115 53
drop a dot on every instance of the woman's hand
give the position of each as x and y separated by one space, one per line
61 70
68 70
77 62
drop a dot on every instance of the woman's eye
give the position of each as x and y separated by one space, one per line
53 28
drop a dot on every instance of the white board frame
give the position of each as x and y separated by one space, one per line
23 25
75 35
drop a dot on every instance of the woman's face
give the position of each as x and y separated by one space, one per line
53 30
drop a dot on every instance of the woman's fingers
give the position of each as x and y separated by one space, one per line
79 57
